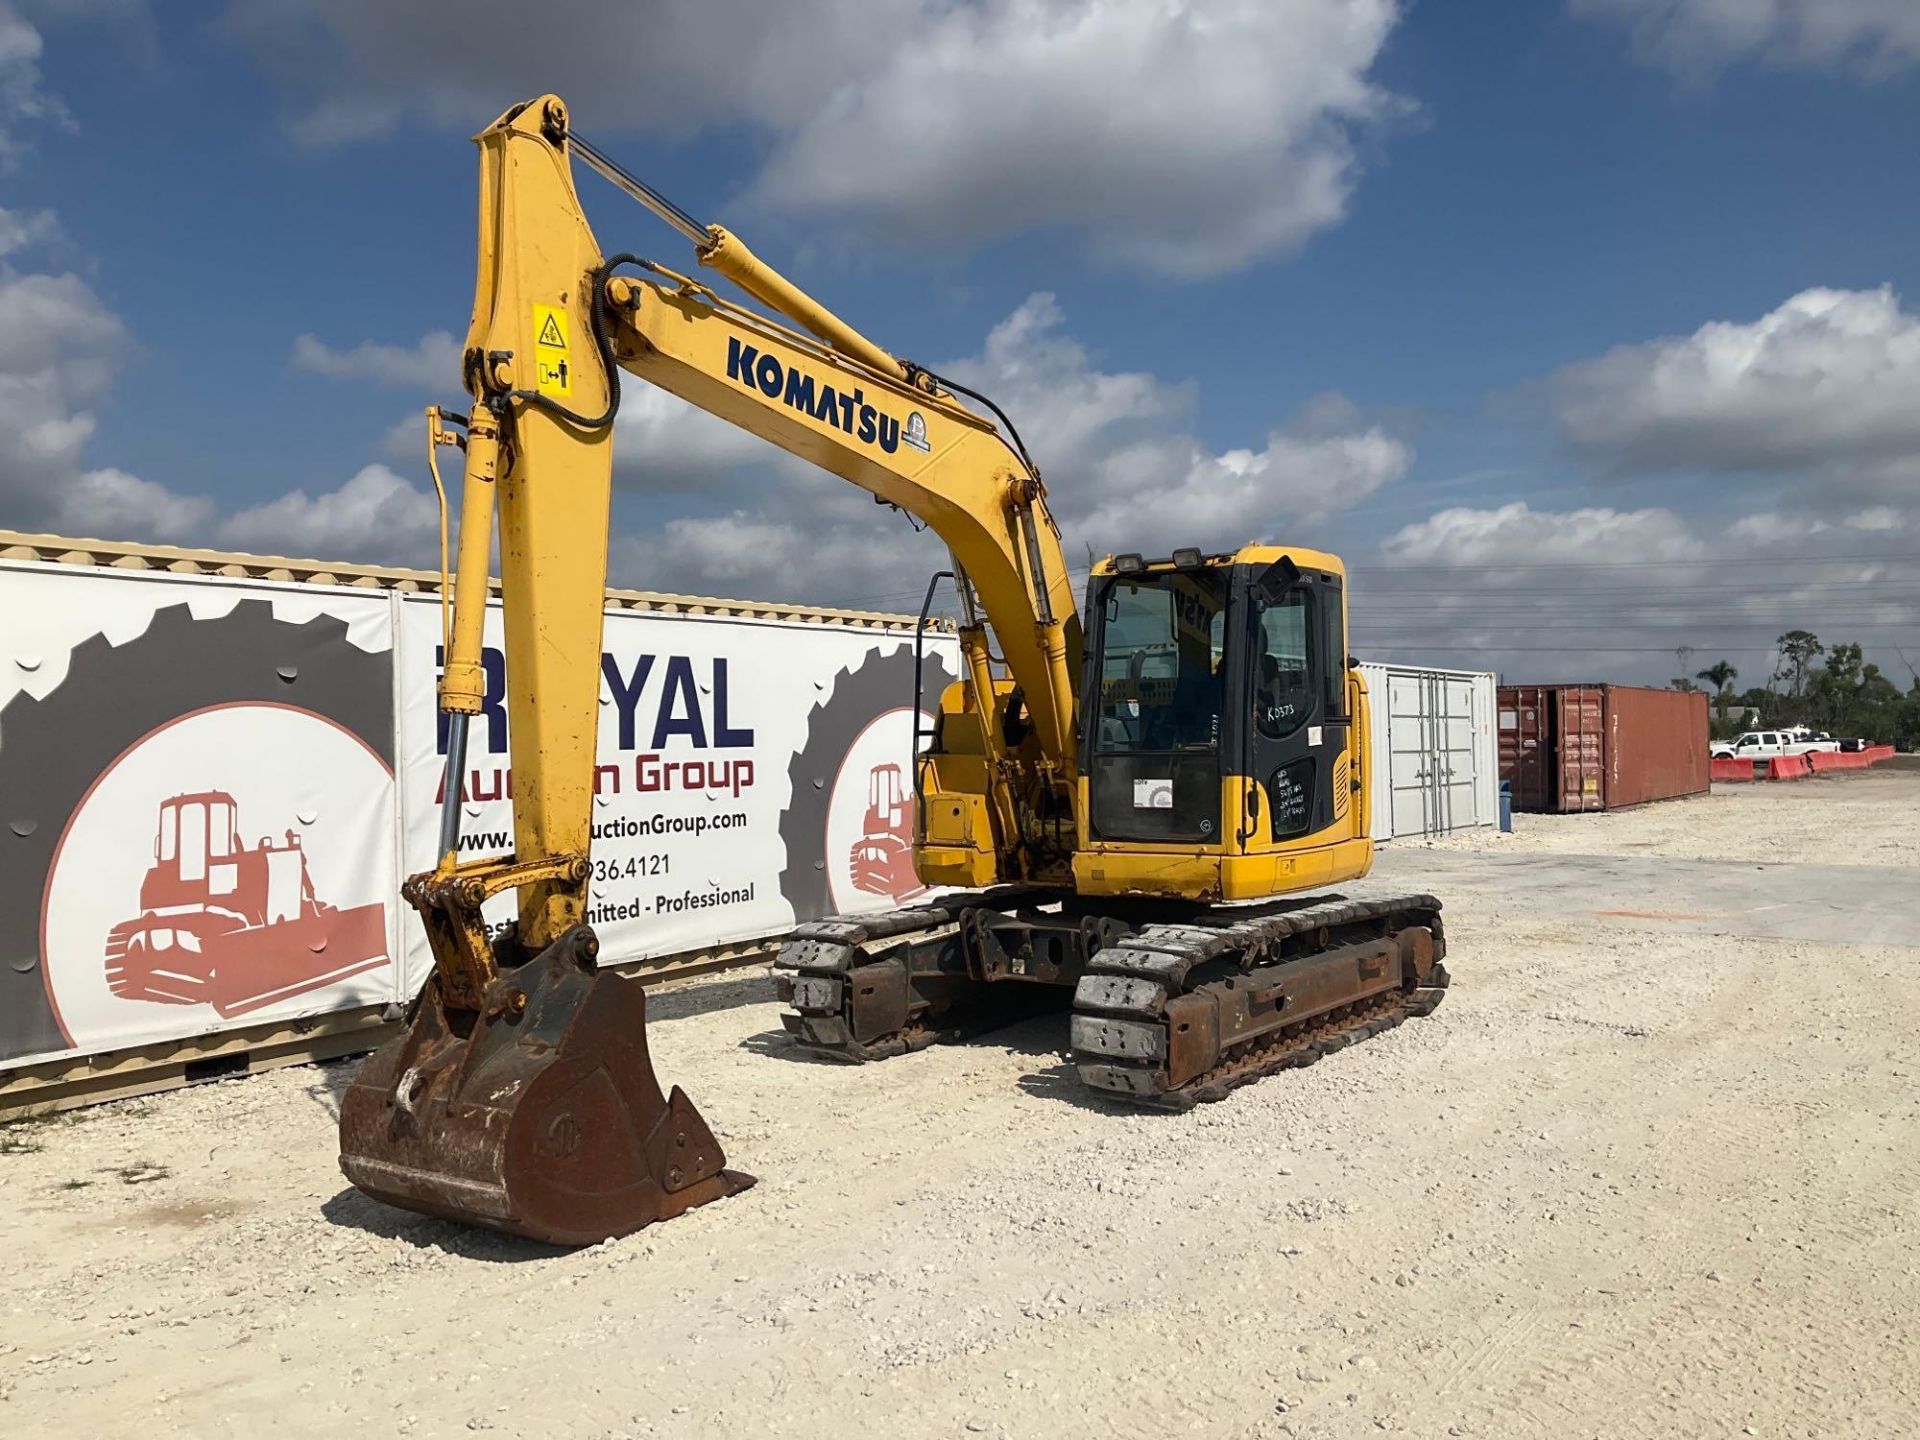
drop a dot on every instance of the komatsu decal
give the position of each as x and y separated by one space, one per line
799 391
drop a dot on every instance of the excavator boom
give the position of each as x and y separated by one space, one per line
521 1094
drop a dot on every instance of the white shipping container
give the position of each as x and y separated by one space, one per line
1436 765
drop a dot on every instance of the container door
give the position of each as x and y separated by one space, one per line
1486 757
1581 737
1411 763
1459 803
1526 746
1379 752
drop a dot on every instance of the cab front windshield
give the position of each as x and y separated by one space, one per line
1160 672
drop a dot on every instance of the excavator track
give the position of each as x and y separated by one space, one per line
869 987
1176 1015
1166 1015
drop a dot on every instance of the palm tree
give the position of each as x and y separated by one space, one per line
1721 676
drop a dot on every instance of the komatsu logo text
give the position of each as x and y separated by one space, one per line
847 409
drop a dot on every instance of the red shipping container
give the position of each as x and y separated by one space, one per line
1601 747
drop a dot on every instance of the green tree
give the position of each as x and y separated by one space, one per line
1798 650
1721 676
1850 696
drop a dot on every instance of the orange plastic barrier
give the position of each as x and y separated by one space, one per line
1824 763
1799 767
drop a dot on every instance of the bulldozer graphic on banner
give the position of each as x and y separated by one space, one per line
235 928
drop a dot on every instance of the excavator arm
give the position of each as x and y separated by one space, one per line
501 1102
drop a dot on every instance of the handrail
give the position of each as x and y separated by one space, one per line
920 733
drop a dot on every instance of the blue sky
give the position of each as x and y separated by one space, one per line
1580 326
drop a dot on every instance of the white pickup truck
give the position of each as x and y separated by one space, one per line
1766 744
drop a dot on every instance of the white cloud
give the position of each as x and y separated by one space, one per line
356 69
1876 517
1158 494
1125 471
431 363
1828 380
1065 408
375 517
1516 533
1770 528
1123 467
1182 137
23 102
661 443
1598 593
23 230
112 504
59 346
60 349
1697 37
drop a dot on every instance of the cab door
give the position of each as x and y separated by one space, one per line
1299 729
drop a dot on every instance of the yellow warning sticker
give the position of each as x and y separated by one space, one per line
552 367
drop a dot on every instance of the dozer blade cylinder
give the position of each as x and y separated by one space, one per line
540 1116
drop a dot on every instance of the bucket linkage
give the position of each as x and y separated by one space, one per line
521 1094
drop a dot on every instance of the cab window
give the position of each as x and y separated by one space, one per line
1283 686
1160 680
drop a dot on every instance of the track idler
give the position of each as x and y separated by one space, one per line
540 1115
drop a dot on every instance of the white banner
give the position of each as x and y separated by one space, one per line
197 791
749 773
201 826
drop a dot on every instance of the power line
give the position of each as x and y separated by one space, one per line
1079 573
1614 622
1565 649
1690 563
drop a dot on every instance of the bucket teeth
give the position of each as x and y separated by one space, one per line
544 1120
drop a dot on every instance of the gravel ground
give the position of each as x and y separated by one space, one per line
1848 818
1634 1178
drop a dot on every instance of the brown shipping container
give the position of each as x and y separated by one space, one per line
1600 747
1549 739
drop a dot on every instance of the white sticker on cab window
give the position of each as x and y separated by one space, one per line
1153 794
1313 734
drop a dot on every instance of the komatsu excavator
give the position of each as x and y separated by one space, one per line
1122 812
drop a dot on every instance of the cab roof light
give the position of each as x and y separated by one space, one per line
1128 564
1188 557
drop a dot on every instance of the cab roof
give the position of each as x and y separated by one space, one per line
1261 555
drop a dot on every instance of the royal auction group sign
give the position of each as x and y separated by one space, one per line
210 791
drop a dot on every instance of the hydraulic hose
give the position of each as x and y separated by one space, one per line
602 344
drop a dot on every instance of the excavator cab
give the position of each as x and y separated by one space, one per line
1223 724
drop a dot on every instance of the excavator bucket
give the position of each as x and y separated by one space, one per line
539 1115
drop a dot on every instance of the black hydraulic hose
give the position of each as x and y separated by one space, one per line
1019 447
603 344
920 733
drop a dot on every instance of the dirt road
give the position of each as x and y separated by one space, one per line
1653 1169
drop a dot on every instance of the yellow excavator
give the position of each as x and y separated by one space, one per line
1120 813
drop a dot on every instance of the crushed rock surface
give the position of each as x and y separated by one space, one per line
1624 1182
